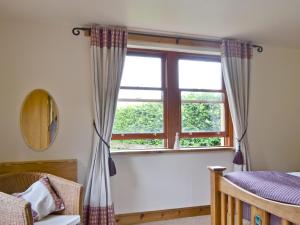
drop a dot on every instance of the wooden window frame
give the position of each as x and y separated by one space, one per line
130 136
225 134
172 100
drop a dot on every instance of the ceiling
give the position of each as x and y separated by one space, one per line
274 22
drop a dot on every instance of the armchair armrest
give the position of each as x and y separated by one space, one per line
71 193
14 211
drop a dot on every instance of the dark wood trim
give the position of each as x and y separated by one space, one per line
202 134
228 120
172 99
198 101
138 136
220 91
145 52
196 57
164 86
141 88
147 100
159 215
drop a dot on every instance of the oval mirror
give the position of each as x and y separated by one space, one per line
39 120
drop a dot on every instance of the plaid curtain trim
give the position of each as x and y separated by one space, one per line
109 36
99 215
236 48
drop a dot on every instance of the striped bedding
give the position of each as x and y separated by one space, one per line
276 186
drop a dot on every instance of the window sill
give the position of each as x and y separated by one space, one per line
182 150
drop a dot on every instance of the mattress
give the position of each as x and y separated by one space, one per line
247 222
271 185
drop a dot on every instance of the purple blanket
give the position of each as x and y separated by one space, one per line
276 186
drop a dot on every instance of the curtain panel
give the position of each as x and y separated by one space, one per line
108 51
236 64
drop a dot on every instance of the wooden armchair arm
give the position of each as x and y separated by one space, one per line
14 211
71 193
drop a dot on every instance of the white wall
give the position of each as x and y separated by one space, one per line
274 123
164 180
50 57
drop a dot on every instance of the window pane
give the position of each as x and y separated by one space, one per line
201 142
137 144
202 117
138 117
140 94
142 71
196 74
187 96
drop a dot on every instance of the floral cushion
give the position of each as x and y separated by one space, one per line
43 199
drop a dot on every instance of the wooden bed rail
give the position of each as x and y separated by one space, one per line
227 204
215 194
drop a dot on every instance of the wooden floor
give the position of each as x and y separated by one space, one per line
197 220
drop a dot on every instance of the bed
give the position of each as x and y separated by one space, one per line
229 199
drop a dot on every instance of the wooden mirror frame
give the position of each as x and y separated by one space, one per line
32 134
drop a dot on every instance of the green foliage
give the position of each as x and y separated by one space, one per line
200 117
137 144
200 142
139 118
148 118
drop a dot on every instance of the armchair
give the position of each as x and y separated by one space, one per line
16 211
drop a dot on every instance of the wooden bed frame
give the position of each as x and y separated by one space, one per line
227 204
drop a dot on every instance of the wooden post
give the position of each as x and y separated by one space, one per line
285 222
239 212
224 206
230 210
260 215
215 175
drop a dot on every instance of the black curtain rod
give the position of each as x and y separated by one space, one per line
76 31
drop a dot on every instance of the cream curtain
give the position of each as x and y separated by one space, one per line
236 63
108 51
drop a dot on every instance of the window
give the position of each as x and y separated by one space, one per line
139 120
202 103
163 93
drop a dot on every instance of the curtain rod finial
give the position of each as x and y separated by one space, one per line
76 31
258 48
